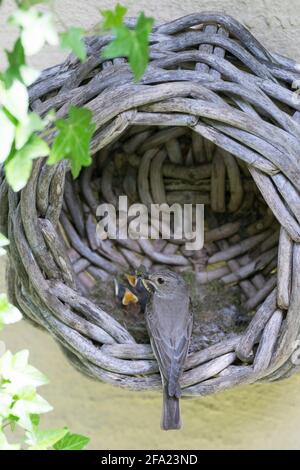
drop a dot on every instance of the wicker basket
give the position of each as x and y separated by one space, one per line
215 119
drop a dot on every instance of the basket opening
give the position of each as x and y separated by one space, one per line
229 277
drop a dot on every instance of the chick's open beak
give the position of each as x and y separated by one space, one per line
129 298
132 279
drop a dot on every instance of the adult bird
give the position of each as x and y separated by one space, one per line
169 322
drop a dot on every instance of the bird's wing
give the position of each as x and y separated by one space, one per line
170 357
179 357
161 346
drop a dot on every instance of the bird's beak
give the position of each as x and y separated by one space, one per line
132 280
129 298
149 285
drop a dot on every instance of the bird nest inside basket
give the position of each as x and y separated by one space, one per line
214 120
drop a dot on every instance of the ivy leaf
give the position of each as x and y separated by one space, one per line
25 129
29 402
121 45
8 313
133 44
73 39
37 29
26 4
18 168
43 440
29 75
5 404
12 421
72 442
35 419
18 172
12 418
34 148
73 139
14 368
17 68
16 59
15 99
113 18
7 135
139 56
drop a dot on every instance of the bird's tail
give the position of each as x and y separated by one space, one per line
171 412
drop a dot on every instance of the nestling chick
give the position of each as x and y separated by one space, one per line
169 322
133 293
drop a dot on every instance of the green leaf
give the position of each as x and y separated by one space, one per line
12 421
121 45
73 39
43 440
139 56
13 418
26 4
21 375
24 130
15 99
34 148
37 29
7 135
73 139
35 419
18 172
17 68
4 305
19 381
29 75
18 168
28 403
8 313
72 442
16 59
133 44
113 18
5 403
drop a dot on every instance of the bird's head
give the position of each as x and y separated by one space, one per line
164 283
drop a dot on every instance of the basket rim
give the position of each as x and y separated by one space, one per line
261 133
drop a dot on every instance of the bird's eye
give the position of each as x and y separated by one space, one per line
160 280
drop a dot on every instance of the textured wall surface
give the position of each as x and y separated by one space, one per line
254 417
276 23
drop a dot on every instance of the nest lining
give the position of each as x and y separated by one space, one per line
238 226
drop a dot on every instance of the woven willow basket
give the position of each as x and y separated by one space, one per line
214 120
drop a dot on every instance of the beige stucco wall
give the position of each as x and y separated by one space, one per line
253 417
276 23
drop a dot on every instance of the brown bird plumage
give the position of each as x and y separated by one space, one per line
169 322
